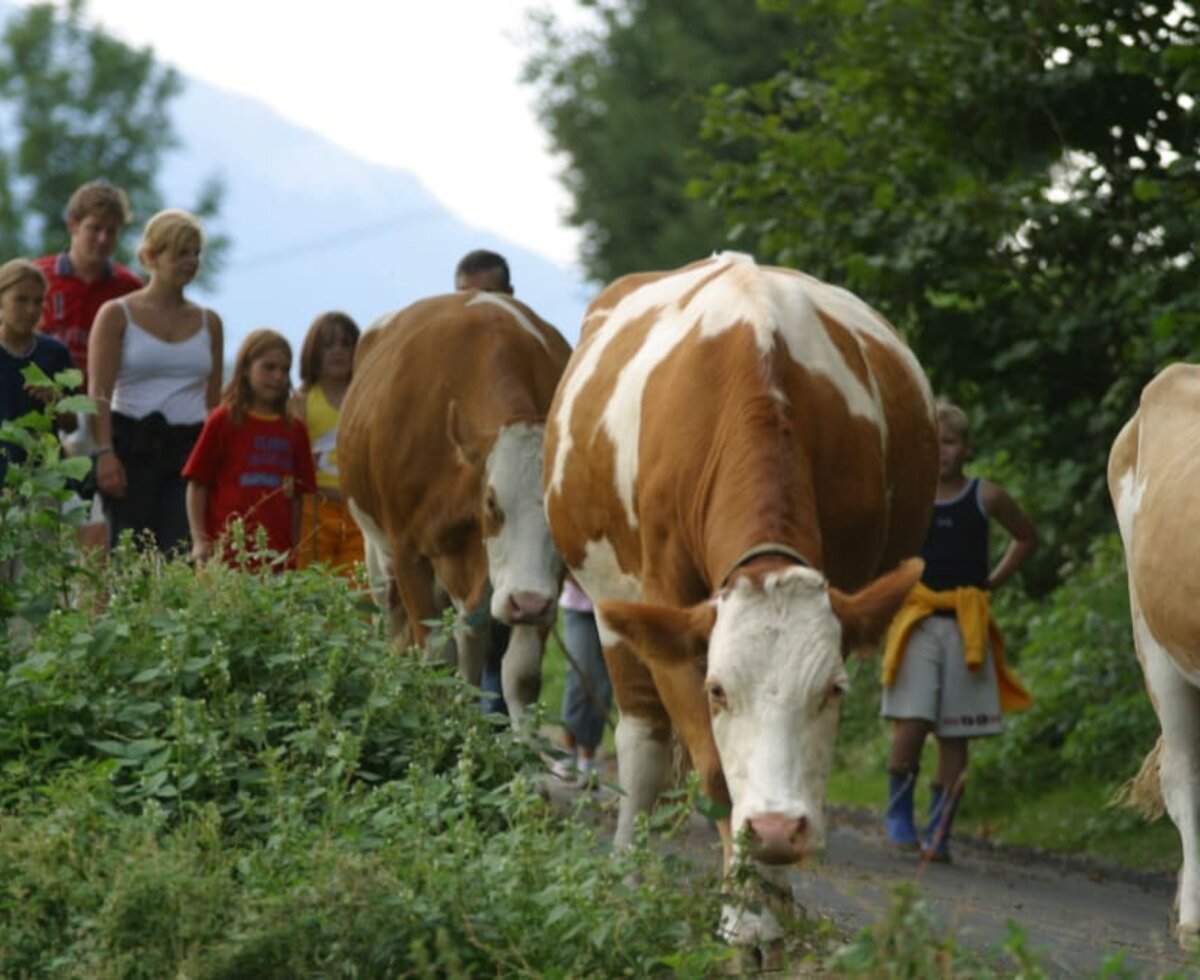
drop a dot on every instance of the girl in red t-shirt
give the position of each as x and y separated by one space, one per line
252 460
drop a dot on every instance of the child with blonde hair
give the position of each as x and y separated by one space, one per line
252 460
944 671
22 289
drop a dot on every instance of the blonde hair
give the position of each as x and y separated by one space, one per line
237 396
953 418
16 271
169 230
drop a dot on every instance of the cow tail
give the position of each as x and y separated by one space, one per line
1144 791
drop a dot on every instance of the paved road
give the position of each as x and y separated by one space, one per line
1074 916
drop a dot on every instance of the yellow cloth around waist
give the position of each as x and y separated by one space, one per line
972 610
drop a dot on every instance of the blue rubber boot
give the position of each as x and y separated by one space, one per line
898 818
935 843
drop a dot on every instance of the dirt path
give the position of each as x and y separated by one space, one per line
1073 915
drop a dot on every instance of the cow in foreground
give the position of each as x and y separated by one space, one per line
1154 480
440 450
735 453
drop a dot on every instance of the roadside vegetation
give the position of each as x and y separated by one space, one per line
226 774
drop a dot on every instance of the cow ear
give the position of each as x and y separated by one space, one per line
463 437
659 634
865 616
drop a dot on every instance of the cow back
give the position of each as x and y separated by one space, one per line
489 355
1154 473
730 392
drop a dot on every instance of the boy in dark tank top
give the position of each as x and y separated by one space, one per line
944 666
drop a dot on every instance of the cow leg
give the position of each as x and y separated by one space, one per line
521 670
472 634
415 584
643 736
758 896
1178 704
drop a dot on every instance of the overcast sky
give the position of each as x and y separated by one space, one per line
429 87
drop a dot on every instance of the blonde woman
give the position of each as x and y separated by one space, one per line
154 369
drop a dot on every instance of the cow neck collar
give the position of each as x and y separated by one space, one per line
765 548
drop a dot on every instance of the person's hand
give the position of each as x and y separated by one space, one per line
110 475
201 551
42 393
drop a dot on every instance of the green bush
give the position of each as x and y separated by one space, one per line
1091 718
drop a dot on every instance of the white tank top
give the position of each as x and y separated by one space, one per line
159 376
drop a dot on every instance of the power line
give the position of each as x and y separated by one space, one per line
374 229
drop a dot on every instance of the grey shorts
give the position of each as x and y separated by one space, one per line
934 682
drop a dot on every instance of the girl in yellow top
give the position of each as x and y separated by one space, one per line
328 533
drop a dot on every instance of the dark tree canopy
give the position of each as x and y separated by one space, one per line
1015 185
623 100
78 104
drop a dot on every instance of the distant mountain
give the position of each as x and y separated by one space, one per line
315 228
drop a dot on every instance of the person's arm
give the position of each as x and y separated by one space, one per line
104 360
1022 533
216 333
197 505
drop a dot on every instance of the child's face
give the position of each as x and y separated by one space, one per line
337 358
953 450
21 308
269 377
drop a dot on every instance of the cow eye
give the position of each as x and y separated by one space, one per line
833 694
492 507
717 699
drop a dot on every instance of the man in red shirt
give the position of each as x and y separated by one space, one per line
78 281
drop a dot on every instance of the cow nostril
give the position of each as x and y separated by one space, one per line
778 839
529 607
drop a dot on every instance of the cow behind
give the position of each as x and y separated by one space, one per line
734 454
1154 480
440 444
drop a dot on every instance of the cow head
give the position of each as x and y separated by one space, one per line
774 684
524 569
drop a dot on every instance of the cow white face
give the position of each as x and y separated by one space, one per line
775 682
523 566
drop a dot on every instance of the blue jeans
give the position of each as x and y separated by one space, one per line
588 692
492 702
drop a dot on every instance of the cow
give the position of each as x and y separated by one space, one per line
440 454
734 454
1154 481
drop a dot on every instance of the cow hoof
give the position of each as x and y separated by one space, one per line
748 960
1188 936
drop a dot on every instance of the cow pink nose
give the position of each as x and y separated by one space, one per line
530 608
777 839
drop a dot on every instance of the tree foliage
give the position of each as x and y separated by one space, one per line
622 101
1015 185
78 104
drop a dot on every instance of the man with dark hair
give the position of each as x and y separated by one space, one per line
483 270
488 272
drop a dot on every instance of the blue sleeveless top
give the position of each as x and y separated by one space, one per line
956 547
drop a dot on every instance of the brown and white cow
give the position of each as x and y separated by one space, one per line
1154 480
732 452
440 452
